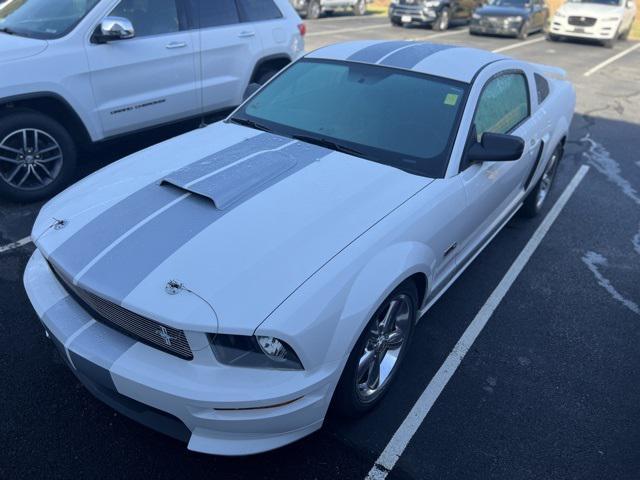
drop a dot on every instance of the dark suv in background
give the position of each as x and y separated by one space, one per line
312 9
516 18
437 13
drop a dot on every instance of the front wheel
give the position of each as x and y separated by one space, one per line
378 353
552 38
360 8
313 10
37 156
442 20
535 200
524 31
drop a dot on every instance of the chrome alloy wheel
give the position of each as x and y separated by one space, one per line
386 338
547 180
29 159
444 20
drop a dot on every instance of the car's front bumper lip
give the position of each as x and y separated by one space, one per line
178 397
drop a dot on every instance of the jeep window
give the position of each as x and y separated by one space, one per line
258 10
149 17
44 19
216 13
405 119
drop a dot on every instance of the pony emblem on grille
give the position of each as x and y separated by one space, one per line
164 335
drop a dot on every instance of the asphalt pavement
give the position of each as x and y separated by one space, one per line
549 389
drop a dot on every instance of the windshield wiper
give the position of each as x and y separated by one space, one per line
323 142
250 123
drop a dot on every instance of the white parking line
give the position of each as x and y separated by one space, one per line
396 446
518 45
588 73
345 30
14 245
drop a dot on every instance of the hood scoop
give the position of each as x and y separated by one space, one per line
229 185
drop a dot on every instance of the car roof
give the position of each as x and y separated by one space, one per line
449 61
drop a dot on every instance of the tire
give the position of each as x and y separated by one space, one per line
265 76
442 20
552 38
524 31
353 397
535 200
360 8
396 23
625 35
609 43
49 151
313 10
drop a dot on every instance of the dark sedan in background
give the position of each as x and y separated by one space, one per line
516 18
437 13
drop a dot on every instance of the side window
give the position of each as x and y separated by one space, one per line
542 87
149 17
503 104
215 13
258 10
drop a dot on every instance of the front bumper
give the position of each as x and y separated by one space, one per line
598 31
412 14
495 27
215 408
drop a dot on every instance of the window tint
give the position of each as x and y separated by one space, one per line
257 10
214 13
149 17
542 87
504 103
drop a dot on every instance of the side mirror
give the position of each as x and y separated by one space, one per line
114 28
495 147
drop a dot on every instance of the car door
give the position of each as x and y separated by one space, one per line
494 189
228 52
149 79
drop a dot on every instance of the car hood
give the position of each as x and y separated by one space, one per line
15 47
591 10
241 218
494 11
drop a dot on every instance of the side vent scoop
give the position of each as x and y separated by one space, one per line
231 184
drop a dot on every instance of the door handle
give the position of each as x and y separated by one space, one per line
172 45
246 34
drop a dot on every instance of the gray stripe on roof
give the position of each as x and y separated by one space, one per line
84 245
123 268
410 56
375 52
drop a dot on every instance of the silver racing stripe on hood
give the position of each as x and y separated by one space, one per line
127 263
92 239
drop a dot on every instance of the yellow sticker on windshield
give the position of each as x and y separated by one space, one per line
451 99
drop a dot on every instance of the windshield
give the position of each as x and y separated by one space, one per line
509 3
400 118
43 18
601 2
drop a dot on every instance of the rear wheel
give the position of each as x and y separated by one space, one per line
378 353
313 9
360 8
536 199
37 156
442 20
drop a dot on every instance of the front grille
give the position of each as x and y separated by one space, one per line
154 334
582 21
413 10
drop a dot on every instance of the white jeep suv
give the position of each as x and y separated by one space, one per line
602 20
81 71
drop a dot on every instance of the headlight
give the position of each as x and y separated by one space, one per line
513 19
476 16
560 15
432 3
254 351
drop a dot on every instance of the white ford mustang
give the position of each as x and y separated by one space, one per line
227 286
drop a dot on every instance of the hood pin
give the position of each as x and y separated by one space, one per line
59 224
173 287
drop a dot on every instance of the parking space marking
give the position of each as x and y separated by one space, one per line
344 30
401 438
12 246
609 61
518 45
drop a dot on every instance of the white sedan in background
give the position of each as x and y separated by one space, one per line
603 20
227 286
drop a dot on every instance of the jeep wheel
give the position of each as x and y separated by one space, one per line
442 20
37 156
360 8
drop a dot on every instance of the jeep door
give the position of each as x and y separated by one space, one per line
228 49
149 79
